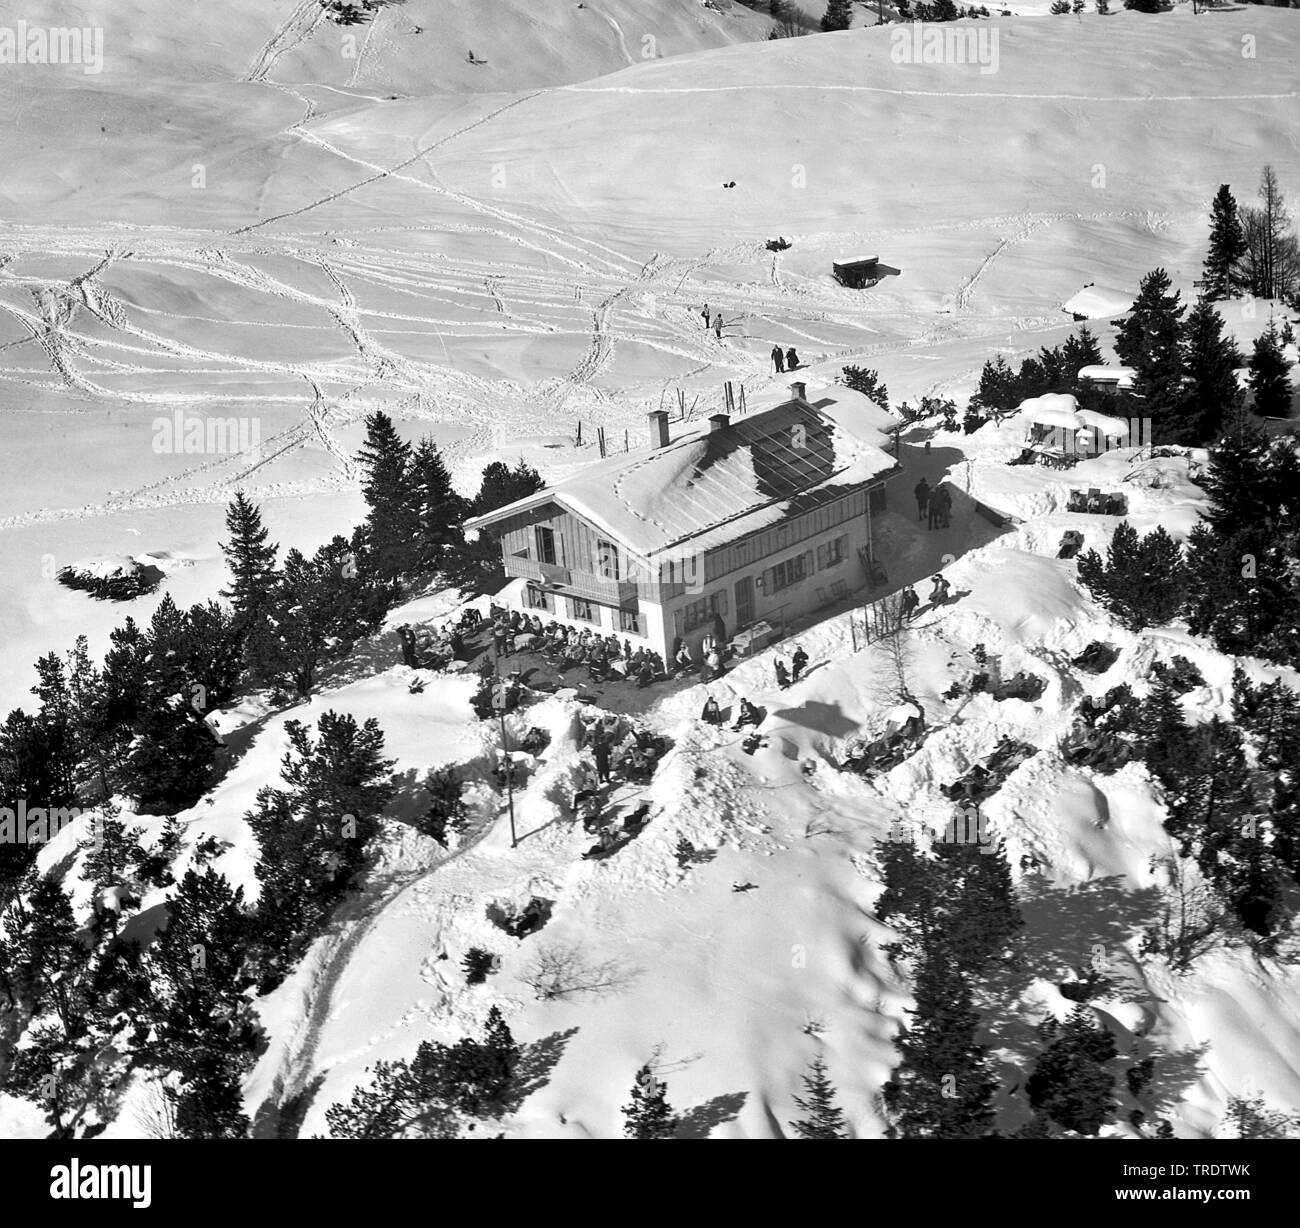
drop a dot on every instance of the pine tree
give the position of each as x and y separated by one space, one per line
1148 340
250 559
437 508
1227 247
838 16
1071 1083
1270 382
824 1117
391 531
649 1114
943 1086
1143 581
867 382
1211 359
501 485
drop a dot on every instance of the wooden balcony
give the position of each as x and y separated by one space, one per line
571 583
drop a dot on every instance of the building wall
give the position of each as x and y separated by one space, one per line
770 603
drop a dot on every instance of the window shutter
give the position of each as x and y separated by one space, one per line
821 557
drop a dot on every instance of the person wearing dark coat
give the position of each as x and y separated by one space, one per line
748 715
600 751
778 358
782 674
910 602
922 492
939 593
791 360
711 712
936 508
944 495
645 675
798 663
719 632
407 638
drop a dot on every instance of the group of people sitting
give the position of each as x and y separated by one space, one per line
865 755
429 649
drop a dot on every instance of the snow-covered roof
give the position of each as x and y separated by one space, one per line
1051 409
1099 303
709 486
1099 373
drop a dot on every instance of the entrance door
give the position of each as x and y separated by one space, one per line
744 602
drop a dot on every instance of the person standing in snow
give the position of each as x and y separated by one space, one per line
782 674
922 492
791 360
600 752
778 358
705 314
910 602
717 326
798 662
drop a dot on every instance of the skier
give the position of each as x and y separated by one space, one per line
910 602
939 594
798 662
782 674
791 360
922 492
778 359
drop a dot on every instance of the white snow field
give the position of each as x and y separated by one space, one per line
237 220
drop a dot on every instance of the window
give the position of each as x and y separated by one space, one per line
700 612
538 598
630 621
832 553
607 559
582 609
787 573
545 544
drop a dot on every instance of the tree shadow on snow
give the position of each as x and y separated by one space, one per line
537 1061
703 1118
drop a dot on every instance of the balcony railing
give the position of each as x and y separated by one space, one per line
572 583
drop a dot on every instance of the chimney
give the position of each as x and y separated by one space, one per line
718 422
659 428
800 390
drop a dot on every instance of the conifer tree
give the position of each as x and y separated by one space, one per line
389 536
1148 340
250 559
648 1115
824 1118
1270 375
1071 1083
1211 395
1227 247
943 1086
437 508
838 15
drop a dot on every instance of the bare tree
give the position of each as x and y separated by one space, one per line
1191 921
1272 261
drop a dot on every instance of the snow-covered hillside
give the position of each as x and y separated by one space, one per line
245 217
